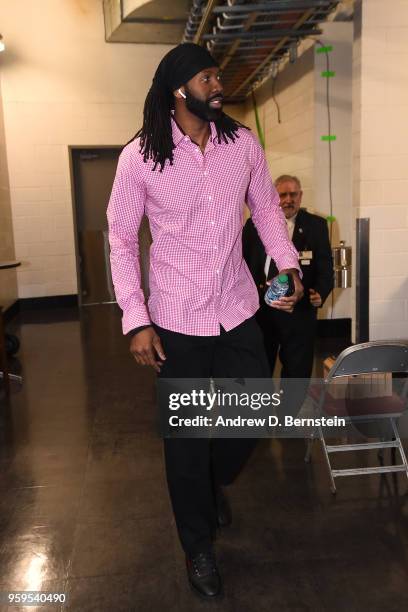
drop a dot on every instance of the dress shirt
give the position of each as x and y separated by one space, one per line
198 278
290 224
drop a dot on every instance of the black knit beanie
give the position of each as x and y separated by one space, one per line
180 65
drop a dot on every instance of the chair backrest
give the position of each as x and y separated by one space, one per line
370 358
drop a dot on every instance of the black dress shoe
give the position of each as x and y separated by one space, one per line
203 575
224 515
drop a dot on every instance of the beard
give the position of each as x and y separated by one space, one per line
289 210
201 109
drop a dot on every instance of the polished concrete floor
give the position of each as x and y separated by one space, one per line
84 507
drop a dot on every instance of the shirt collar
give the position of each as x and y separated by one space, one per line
179 136
213 133
292 220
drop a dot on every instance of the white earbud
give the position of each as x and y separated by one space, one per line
183 95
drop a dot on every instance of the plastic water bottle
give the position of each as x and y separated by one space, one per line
279 287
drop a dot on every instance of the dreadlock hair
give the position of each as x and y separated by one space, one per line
156 141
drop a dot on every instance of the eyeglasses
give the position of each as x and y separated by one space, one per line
285 194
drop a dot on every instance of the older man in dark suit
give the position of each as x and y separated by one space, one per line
293 334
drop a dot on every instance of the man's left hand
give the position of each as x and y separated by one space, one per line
315 298
287 304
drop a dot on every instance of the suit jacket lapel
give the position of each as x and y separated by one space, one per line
299 232
299 239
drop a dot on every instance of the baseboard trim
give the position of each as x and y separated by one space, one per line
50 301
40 303
326 328
334 328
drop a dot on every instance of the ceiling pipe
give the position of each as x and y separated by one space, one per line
272 56
226 23
205 20
279 6
271 34
193 20
247 40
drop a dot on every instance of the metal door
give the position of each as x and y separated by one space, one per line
93 174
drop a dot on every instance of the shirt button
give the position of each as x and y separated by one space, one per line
196 149
186 138
212 222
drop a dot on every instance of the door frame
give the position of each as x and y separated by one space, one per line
71 150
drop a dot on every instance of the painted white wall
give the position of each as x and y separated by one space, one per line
294 145
289 144
340 37
61 85
8 278
380 169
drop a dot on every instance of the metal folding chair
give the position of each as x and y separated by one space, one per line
367 358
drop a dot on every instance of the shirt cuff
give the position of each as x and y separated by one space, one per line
135 331
134 318
287 264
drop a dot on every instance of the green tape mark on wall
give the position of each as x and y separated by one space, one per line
327 138
326 49
328 73
330 218
261 135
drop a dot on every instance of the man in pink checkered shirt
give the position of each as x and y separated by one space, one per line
190 169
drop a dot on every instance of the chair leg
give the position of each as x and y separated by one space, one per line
380 453
400 447
309 447
326 454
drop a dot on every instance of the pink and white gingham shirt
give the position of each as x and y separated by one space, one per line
198 278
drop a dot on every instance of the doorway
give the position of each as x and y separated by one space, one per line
93 173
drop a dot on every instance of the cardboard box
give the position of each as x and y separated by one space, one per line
358 387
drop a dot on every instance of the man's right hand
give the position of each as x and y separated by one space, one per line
145 346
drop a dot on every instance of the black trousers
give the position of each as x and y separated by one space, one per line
194 466
292 335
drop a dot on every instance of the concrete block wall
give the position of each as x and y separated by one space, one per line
381 158
294 146
65 86
290 143
61 85
339 37
8 278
